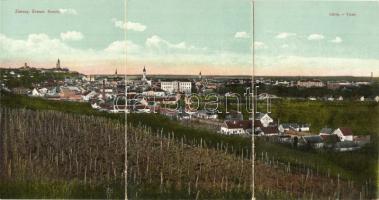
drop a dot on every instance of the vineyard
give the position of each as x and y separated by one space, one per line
50 154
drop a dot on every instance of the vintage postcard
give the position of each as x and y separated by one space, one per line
174 99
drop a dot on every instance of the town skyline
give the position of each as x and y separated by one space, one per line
120 72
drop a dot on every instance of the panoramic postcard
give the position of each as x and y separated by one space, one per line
174 99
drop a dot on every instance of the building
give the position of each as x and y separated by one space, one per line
293 126
58 65
206 114
236 127
264 118
314 141
175 86
310 83
270 130
144 74
169 87
345 134
185 87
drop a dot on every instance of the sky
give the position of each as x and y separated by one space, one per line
299 38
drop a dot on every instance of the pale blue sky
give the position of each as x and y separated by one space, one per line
174 36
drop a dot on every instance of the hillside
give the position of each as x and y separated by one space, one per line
60 155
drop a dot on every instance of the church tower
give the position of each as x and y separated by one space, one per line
144 74
58 66
115 72
200 76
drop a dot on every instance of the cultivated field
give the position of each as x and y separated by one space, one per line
51 154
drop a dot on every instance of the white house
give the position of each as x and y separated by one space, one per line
95 106
43 91
330 99
340 98
36 93
345 134
204 114
376 98
89 95
154 93
362 98
264 118
294 126
312 98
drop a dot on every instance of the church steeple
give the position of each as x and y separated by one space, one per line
144 74
200 76
58 66
115 72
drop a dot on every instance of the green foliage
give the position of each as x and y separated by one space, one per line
361 117
32 76
346 93
60 189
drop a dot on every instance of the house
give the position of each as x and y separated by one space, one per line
362 98
236 127
268 130
264 118
293 126
346 146
36 93
43 91
340 98
345 134
376 98
314 141
312 98
301 127
330 140
284 127
156 92
88 95
206 114
95 106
